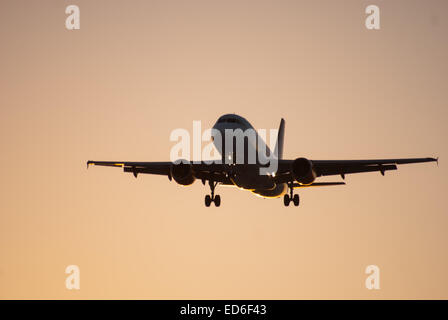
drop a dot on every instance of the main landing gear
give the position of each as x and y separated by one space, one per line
287 198
212 198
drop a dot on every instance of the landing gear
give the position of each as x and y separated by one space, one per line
287 198
212 198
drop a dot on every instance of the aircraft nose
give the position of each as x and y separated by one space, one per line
219 127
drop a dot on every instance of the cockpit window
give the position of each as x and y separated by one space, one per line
229 120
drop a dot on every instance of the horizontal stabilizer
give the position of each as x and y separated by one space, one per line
317 184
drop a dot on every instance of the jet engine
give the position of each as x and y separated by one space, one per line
302 171
182 173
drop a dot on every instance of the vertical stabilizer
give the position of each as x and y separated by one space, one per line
280 138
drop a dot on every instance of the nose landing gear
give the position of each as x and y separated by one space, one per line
212 198
287 198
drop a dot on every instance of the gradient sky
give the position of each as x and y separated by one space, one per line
136 70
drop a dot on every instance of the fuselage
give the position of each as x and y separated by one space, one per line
248 177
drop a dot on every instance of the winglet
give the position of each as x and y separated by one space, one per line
437 160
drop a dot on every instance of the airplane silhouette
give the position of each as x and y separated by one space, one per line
290 174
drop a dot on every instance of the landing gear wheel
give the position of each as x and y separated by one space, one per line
286 200
212 198
208 200
296 200
217 200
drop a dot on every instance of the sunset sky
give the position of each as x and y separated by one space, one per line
136 70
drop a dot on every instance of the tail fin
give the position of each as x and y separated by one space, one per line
280 138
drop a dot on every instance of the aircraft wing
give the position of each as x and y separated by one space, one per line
161 168
219 172
343 167
202 171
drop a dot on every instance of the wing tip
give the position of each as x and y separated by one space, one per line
436 160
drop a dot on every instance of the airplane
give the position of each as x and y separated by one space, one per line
290 174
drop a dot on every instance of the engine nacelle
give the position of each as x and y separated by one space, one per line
302 171
182 173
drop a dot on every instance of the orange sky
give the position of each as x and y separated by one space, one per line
115 89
